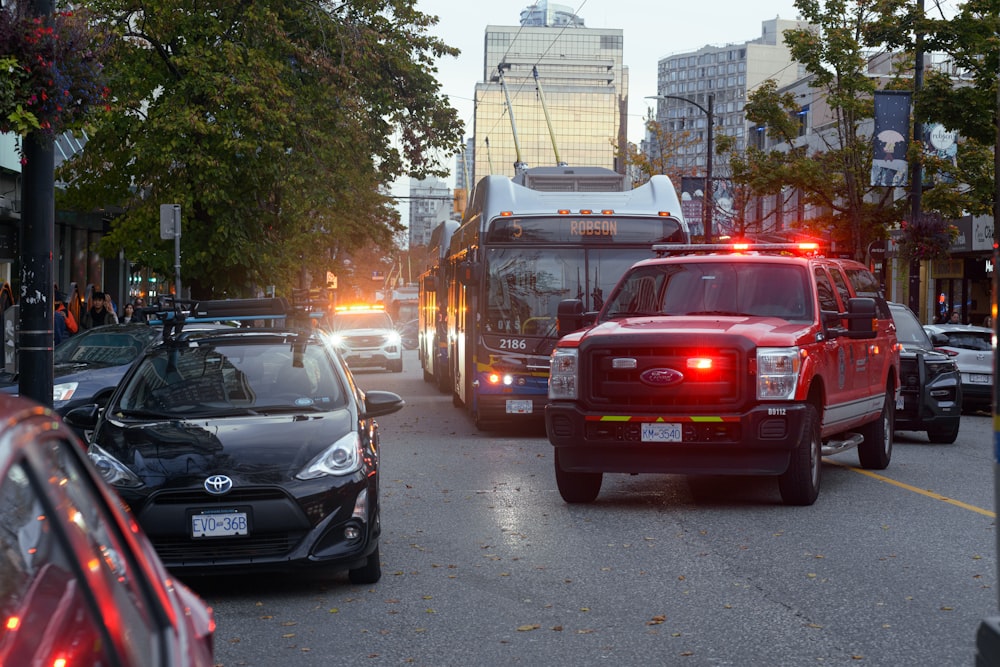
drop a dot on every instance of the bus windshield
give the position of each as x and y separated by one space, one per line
524 285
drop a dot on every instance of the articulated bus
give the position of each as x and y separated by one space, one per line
432 310
520 251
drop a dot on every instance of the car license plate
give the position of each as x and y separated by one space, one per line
975 378
221 524
515 407
661 432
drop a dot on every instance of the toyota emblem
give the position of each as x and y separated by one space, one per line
218 485
661 377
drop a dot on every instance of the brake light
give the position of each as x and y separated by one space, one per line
13 622
700 363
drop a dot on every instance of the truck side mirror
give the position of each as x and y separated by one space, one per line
571 316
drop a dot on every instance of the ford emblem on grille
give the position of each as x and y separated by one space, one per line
661 377
218 485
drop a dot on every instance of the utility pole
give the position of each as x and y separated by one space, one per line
36 241
916 170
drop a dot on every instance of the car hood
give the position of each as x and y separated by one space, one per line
265 449
763 330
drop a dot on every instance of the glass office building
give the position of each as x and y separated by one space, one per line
584 86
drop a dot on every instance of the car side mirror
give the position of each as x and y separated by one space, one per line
379 403
83 417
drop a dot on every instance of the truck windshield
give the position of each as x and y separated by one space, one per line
714 288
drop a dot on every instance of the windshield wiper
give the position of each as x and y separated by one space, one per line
727 313
633 313
271 409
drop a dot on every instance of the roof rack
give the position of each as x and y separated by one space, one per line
808 249
174 313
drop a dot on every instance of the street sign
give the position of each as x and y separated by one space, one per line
170 221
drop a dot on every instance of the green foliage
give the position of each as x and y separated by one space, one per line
271 123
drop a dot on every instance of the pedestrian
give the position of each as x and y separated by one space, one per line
128 314
954 319
98 314
138 314
65 315
59 331
988 322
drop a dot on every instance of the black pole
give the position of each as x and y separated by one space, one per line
35 310
916 170
709 184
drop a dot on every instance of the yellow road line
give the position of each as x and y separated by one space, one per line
923 492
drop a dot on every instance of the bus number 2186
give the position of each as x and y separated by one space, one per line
513 344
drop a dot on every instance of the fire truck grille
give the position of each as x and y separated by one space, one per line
666 378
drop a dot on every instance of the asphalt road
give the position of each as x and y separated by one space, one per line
484 564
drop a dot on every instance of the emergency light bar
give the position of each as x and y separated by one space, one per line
665 250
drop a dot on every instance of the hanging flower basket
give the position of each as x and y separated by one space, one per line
50 71
927 238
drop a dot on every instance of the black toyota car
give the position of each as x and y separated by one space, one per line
248 448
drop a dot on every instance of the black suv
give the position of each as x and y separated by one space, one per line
930 397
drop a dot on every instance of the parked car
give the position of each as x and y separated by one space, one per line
242 449
79 582
88 366
972 349
930 396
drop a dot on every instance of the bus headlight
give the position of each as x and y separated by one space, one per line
564 373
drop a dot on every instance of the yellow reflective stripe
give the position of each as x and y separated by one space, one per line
613 418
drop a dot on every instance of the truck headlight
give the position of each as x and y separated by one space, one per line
564 373
777 373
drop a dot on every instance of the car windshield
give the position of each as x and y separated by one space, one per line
908 329
105 346
712 288
232 377
970 340
372 320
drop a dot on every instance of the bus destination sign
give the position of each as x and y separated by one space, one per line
566 229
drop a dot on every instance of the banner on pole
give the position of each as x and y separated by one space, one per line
890 138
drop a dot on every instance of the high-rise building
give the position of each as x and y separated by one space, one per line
430 205
581 84
727 73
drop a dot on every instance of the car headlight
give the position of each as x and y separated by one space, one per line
564 373
64 391
112 470
394 338
341 458
777 372
336 339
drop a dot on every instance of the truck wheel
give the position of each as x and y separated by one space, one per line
875 452
799 485
577 487
943 435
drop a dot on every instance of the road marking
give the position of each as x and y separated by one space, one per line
923 492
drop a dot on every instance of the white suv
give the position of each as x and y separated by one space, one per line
367 339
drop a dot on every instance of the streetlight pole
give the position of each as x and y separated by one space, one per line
708 206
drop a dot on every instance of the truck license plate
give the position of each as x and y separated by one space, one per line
515 407
225 524
661 432
975 378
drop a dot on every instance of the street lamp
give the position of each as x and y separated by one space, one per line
708 206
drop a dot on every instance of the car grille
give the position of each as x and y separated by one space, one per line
365 341
173 550
723 388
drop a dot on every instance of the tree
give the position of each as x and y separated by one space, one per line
271 122
963 99
835 175
660 156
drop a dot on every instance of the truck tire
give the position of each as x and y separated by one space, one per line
943 435
577 487
876 451
799 485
